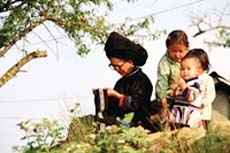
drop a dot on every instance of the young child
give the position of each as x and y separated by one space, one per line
188 85
197 88
168 72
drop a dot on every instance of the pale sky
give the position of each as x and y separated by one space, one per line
51 86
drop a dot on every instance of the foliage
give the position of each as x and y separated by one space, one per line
83 137
114 140
222 39
120 139
213 20
82 20
47 136
85 22
40 136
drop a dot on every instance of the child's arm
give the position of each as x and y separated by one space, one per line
162 86
164 104
189 91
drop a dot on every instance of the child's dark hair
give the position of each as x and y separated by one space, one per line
201 55
177 37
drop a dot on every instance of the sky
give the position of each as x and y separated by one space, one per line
49 87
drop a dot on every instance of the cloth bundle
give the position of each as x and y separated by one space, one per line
101 109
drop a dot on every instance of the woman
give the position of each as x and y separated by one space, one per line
132 92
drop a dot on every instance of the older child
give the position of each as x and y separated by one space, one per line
197 88
168 72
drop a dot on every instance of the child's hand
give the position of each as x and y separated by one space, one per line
181 84
194 93
191 96
164 114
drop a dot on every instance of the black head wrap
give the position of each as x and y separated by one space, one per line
121 47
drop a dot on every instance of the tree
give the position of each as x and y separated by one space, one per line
79 19
214 20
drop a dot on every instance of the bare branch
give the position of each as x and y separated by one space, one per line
44 41
51 34
211 29
212 20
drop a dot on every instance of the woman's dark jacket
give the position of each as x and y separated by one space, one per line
137 89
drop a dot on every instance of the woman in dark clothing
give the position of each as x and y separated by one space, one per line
132 92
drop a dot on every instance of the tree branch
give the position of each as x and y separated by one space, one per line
210 21
16 68
11 4
18 37
200 31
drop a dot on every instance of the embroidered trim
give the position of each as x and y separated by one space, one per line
121 101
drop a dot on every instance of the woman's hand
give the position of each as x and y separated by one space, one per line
113 93
110 92
94 90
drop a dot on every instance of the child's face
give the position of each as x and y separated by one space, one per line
177 51
123 67
190 68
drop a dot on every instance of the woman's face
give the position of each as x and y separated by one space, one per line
177 51
123 67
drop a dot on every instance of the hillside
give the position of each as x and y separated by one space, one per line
185 140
